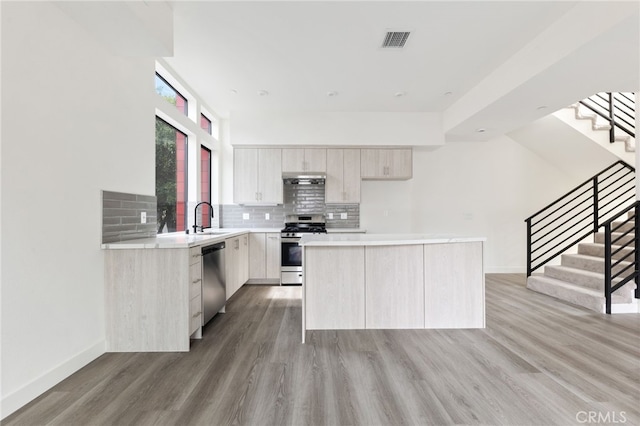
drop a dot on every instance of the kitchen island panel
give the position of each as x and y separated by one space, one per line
394 287
334 288
454 285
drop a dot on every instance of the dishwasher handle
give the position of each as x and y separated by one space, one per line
210 249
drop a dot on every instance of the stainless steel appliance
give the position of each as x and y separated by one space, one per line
214 294
291 252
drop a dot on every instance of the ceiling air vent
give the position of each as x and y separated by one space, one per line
395 39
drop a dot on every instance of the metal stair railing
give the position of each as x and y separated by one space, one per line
614 269
618 108
579 213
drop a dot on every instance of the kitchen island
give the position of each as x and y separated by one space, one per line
392 281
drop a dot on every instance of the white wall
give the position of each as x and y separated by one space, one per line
469 188
336 128
76 120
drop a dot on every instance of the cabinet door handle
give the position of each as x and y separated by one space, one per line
196 280
257 196
195 256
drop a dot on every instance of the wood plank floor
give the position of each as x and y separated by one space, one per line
540 361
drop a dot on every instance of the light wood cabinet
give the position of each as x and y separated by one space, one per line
257 176
343 176
195 291
304 160
236 263
394 277
335 288
148 292
437 285
454 295
386 164
264 257
273 255
257 256
244 259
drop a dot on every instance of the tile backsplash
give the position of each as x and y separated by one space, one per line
298 199
121 216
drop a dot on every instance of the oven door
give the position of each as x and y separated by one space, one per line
291 252
291 262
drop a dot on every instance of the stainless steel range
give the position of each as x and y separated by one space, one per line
291 253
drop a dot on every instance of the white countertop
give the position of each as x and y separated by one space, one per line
346 230
182 240
383 239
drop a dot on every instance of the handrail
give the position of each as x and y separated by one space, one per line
564 221
613 107
619 276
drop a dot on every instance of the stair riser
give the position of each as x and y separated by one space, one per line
598 251
586 281
622 227
590 302
592 264
565 274
626 240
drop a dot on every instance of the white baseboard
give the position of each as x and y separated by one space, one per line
27 393
505 270
626 308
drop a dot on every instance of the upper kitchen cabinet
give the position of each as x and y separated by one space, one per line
257 176
343 176
390 164
304 160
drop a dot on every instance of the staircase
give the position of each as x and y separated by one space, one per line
597 218
580 278
611 112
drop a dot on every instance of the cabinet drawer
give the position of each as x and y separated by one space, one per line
195 314
195 255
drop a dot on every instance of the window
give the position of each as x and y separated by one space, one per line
205 123
172 96
171 177
205 184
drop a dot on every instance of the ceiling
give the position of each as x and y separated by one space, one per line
326 56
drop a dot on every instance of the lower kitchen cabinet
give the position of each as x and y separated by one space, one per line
264 257
394 277
195 291
236 263
335 288
151 299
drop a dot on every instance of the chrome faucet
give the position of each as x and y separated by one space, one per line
195 216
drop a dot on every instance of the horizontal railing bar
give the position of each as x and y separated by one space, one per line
622 270
565 240
621 213
619 162
615 174
622 235
617 123
624 95
622 259
597 111
573 208
623 282
590 188
589 216
533 268
624 201
589 198
613 200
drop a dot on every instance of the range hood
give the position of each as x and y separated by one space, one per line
306 178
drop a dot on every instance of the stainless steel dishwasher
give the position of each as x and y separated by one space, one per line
214 294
